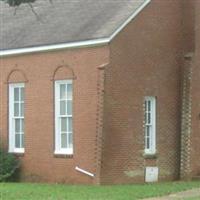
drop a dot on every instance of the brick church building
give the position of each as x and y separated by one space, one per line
101 92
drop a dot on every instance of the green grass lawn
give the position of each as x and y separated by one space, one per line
25 191
193 198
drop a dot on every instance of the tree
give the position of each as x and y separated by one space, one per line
17 3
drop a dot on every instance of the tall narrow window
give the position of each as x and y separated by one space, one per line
16 118
63 117
150 125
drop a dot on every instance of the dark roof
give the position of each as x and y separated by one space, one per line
63 21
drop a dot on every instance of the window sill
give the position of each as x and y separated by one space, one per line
17 153
68 153
150 155
63 155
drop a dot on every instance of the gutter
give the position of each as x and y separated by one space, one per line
81 44
87 43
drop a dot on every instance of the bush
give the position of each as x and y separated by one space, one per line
8 165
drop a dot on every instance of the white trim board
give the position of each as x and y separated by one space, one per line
54 47
81 44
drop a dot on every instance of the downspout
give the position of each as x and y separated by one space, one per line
84 171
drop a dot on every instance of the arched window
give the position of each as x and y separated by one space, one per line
63 87
16 89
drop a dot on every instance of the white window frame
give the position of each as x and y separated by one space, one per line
151 125
58 148
12 148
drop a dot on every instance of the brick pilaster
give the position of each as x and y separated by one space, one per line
99 123
185 162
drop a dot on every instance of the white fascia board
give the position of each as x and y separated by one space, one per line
87 43
130 19
81 44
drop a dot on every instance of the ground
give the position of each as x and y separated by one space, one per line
26 191
193 194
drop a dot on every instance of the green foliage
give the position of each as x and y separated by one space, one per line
8 165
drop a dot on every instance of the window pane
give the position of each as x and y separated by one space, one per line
22 109
63 91
63 107
22 94
22 125
149 118
145 105
16 94
17 140
17 125
22 140
147 131
63 124
64 140
69 107
146 118
149 106
70 140
16 109
69 91
147 143
69 124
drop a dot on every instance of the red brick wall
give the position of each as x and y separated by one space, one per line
188 25
39 162
145 61
195 159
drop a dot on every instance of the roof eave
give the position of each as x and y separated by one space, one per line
81 44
